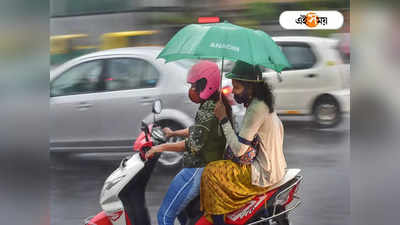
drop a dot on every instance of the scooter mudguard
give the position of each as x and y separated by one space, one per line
100 219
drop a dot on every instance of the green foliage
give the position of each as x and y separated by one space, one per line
321 5
177 19
247 23
70 7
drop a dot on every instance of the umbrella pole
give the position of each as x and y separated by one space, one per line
222 70
220 92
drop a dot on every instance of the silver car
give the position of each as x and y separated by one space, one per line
97 101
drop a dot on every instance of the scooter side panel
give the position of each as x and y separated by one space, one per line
242 215
133 194
117 217
109 200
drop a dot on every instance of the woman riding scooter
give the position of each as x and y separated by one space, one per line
205 142
256 153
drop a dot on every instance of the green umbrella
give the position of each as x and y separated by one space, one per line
225 41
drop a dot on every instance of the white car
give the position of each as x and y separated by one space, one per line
318 83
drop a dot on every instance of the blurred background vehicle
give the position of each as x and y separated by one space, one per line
98 100
317 84
66 47
69 46
127 39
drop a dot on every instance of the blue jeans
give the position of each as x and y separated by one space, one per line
183 189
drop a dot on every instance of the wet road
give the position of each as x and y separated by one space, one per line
323 156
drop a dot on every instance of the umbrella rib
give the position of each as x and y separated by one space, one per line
251 47
201 40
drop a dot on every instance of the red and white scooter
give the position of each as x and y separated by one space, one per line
123 201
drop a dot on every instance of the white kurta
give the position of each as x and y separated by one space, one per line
269 166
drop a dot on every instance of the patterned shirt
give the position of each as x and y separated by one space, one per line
206 142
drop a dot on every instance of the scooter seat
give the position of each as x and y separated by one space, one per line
290 174
242 215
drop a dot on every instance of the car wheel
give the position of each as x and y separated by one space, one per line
326 112
171 159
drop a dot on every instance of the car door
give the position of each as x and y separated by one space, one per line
298 84
130 89
74 112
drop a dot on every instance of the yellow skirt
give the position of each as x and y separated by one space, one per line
225 187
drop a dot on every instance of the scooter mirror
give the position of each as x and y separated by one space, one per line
144 127
157 106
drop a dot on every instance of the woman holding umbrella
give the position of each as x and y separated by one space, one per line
256 153
257 150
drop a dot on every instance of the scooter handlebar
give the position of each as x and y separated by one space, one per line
145 148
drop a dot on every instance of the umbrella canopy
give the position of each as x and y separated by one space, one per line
226 41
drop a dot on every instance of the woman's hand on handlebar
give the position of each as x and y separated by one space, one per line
153 151
180 133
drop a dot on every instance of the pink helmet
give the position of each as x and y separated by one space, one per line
209 71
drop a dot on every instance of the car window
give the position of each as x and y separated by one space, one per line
228 65
299 56
150 76
80 79
129 73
